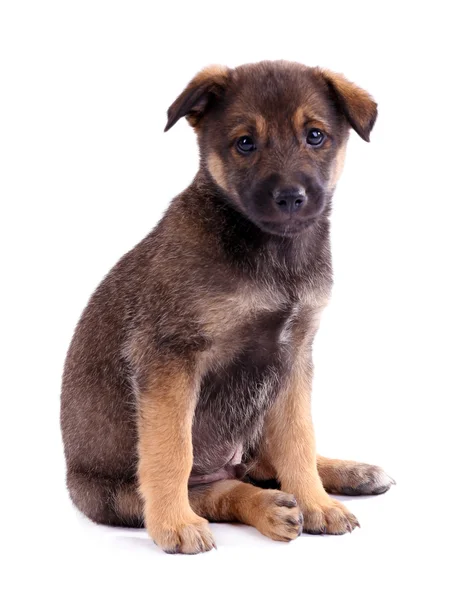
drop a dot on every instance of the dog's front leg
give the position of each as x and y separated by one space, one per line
166 410
289 445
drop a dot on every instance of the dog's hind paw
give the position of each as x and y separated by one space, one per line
367 480
350 478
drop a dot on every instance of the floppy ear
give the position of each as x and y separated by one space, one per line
358 106
194 101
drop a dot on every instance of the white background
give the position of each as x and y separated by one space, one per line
86 171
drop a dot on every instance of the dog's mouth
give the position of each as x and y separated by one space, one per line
288 228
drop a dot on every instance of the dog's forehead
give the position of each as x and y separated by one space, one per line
276 91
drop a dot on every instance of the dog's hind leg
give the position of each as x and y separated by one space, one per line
106 500
351 478
274 513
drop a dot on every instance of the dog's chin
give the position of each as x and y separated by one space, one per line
289 228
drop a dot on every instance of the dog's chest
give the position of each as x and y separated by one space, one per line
248 368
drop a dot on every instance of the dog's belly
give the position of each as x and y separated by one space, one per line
234 399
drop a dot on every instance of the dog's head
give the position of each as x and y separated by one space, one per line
273 136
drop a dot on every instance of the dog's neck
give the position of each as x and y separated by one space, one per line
251 249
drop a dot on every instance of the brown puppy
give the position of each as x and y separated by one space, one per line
190 369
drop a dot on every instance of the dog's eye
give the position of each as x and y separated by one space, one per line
245 144
315 137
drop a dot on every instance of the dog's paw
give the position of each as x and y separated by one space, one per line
277 515
329 516
363 479
190 537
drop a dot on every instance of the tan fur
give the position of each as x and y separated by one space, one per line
338 166
215 166
245 304
299 119
290 441
261 127
165 461
229 500
341 476
274 513
248 123
306 115
250 300
335 473
215 73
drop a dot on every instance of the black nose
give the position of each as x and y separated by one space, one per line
289 199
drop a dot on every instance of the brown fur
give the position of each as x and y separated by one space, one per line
359 110
190 368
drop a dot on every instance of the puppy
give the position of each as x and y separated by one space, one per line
189 373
